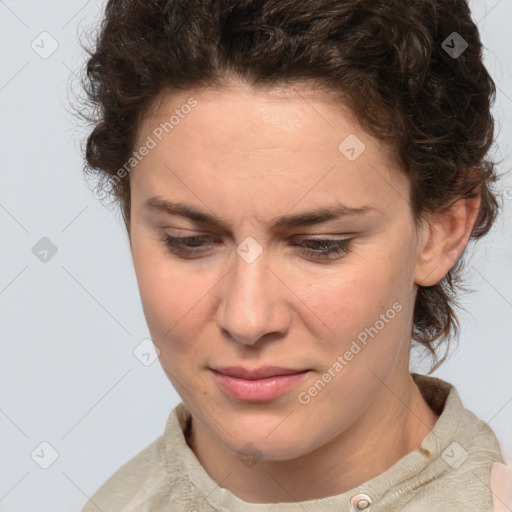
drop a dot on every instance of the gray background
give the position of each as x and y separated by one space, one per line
69 325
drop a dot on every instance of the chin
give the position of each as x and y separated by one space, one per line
256 440
254 450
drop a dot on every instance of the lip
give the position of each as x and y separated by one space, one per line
258 384
256 373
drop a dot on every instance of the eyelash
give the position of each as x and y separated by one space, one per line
326 248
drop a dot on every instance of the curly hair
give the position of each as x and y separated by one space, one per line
388 60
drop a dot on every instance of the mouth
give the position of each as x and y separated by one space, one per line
259 384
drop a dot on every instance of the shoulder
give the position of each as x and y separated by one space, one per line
151 478
131 481
462 450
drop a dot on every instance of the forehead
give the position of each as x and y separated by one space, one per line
278 103
283 138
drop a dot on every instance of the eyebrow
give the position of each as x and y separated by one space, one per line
307 218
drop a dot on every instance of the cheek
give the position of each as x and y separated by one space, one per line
170 294
354 294
365 301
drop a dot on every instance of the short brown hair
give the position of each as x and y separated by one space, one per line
386 59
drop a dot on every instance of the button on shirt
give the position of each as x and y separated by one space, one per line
450 471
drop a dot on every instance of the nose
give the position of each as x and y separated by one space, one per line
253 303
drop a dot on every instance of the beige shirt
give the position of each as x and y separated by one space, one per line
449 472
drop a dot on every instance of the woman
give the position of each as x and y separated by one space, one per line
299 181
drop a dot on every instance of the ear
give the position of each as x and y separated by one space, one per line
444 239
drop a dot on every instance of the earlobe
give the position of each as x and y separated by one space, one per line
445 238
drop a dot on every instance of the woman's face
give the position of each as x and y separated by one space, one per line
263 177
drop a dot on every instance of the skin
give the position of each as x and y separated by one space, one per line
248 157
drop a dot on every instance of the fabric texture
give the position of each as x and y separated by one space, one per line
451 470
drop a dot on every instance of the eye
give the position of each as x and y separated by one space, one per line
184 245
325 248
318 248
